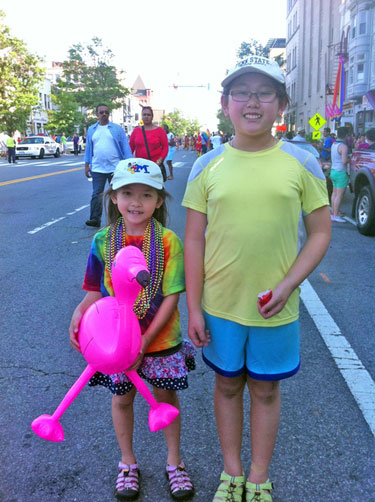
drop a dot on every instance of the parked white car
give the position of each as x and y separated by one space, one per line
37 146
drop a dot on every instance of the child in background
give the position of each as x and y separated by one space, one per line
244 201
137 215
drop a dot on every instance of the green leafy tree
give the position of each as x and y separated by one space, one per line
66 117
176 122
225 125
193 127
253 47
90 75
20 78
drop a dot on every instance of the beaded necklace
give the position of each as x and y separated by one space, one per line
152 248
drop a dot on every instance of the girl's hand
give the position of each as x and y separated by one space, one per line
280 296
137 363
74 328
196 331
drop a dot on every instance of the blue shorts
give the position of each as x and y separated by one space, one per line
171 151
269 353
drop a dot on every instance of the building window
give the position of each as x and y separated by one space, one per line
360 72
362 23
351 74
294 21
354 26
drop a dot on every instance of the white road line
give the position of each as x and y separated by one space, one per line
179 164
49 223
52 222
355 374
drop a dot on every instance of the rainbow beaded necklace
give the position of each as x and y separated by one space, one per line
153 250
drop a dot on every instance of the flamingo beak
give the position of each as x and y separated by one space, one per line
143 278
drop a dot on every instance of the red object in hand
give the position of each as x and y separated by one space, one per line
264 297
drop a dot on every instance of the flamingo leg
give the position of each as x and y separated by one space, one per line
161 415
48 426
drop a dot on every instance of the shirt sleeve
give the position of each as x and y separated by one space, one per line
95 267
314 187
174 271
196 193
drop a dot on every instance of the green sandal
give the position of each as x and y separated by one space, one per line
230 489
256 493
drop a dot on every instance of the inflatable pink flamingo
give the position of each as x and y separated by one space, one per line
110 340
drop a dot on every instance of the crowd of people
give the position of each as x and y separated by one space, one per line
334 155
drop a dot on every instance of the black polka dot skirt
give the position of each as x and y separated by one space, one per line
166 372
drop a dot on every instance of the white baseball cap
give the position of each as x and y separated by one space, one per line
135 170
255 64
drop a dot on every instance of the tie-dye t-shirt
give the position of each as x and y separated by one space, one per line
97 278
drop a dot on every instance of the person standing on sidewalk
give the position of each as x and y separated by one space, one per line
11 148
244 202
75 143
171 150
63 142
106 145
338 175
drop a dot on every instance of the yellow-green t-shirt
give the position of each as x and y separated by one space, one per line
253 202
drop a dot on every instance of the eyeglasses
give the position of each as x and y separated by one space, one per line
106 112
262 96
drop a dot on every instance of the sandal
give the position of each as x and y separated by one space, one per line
256 493
127 484
230 488
180 484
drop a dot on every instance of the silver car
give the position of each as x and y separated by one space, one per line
37 146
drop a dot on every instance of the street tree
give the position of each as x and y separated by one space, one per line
252 47
20 79
66 117
176 122
224 124
193 127
89 74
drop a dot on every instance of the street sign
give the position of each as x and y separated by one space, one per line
316 135
317 121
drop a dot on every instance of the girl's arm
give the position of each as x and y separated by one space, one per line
318 229
161 318
90 298
196 224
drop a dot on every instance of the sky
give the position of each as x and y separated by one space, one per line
167 43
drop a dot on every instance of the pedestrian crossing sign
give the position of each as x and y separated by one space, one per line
317 121
316 135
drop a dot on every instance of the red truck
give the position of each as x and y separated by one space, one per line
362 185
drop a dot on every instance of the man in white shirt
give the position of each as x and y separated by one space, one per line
216 140
106 145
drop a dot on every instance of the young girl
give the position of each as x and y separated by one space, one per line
244 201
137 215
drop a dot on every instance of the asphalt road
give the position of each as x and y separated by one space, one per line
325 448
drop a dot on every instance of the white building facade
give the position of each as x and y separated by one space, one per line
319 33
